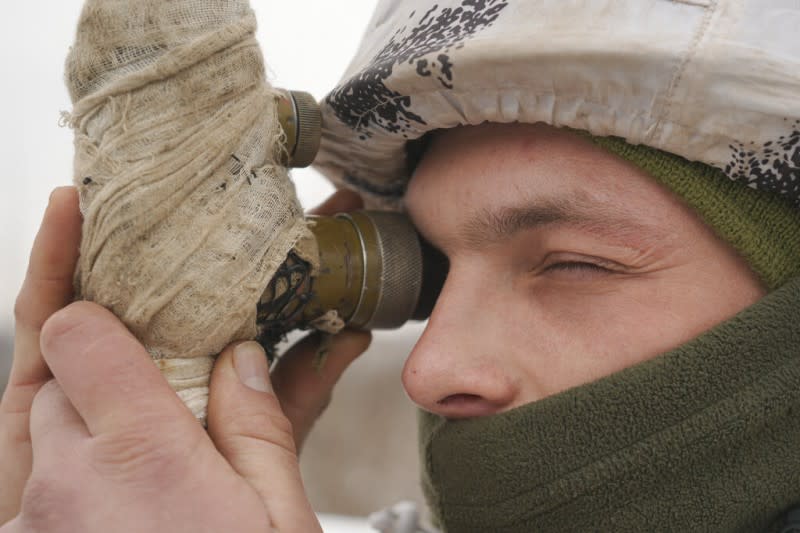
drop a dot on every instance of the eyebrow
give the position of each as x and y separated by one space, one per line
491 226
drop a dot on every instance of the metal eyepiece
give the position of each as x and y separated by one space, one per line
392 279
301 120
375 271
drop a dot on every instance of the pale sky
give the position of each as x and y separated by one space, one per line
34 40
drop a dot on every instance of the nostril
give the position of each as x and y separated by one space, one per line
465 406
459 399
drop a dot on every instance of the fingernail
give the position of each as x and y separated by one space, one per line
250 362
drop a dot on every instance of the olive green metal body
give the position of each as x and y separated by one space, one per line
301 121
340 277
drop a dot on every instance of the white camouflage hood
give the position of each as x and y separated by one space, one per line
717 81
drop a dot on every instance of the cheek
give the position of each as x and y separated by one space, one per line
578 335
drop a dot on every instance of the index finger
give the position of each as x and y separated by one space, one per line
107 374
46 289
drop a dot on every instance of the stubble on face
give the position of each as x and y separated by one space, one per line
567 264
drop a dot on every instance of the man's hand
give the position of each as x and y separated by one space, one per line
112 445
114 449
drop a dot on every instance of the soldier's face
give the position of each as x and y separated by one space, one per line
566 264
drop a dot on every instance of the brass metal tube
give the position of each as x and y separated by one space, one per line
301 121
375 272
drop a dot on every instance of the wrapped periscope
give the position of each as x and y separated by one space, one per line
187 210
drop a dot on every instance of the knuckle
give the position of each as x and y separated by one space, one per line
59 325
136 455
46 500
46 393
35 301
305 413
306 409
76 323
50 389
271 428
24 311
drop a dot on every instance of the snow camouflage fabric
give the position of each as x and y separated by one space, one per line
700 79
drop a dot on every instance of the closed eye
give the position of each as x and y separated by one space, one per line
568 266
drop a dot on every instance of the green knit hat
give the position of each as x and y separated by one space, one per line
762 227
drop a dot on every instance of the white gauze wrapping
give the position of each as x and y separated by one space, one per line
187 214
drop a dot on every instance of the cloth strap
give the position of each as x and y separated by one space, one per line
703 438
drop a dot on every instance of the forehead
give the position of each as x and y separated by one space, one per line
492 167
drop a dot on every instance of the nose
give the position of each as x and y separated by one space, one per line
457 368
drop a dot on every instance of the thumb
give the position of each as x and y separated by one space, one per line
249 429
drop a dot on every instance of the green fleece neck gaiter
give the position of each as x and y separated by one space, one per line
703 438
